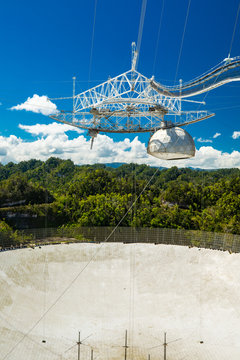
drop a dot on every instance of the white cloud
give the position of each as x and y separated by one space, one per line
78 149
49 129
236 134
37 104
216 135
53 141
204 140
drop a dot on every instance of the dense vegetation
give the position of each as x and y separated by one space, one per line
57 192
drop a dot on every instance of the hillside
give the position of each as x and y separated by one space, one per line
58 193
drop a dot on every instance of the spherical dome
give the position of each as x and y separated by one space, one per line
171 144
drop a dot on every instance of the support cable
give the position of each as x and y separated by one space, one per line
228 54
234 30
132 261
140 29
158 37
183 35
207 92
20 332
79 273
93 33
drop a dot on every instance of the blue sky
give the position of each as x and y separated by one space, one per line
45 44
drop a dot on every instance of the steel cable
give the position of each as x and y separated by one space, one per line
93 33
79 273
234 30
158 37
140 29
183 35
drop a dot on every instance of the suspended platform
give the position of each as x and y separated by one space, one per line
134 103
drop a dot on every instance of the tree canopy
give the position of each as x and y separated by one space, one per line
57 193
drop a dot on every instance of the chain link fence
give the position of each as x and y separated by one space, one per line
45 236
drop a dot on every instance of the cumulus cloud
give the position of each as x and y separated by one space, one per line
78 149
216 135
38 104
49 129
236 134
204 140
51 140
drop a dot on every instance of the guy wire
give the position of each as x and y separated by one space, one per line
80 272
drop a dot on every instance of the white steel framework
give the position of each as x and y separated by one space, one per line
126 103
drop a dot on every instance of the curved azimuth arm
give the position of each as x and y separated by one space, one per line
228 70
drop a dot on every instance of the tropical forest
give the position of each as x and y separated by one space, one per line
57 193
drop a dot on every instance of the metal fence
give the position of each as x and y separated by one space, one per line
201 239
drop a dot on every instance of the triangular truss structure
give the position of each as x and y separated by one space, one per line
127 103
